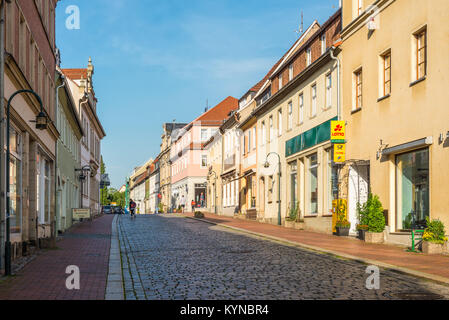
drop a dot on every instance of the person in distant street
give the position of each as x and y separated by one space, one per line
132 208
182 203
202 200
193 205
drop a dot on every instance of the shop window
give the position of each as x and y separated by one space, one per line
293 185
313 184
412 188
332 180
15 181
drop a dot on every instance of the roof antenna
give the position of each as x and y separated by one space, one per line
207 105
301 26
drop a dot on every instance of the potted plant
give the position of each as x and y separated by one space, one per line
292 217
362 226
375 220
343 226
199 214
434 237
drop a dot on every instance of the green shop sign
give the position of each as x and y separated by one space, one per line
309 138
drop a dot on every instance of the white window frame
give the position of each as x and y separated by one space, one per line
329 90
313 110
308 56
323 43
290 72
290 115
280 81
301 108
280 122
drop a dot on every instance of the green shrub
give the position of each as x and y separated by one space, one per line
372 214
161 208
435 232
293 215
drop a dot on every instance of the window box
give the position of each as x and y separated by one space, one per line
418 81
383 98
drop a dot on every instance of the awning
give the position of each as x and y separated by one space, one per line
408 146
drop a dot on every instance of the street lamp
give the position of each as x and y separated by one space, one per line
267 165
41 124
215 190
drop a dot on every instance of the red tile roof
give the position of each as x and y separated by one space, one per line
75 74
220 112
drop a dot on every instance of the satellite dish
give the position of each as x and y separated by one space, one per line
372 24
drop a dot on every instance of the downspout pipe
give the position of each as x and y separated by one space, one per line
338 81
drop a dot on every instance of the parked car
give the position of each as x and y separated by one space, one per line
118 210
107 210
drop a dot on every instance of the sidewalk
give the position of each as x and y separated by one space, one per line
388 256
86 246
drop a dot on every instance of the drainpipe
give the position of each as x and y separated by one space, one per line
338 81
57 192
2 135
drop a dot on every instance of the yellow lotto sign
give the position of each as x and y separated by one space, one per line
339 208
338 131
339 153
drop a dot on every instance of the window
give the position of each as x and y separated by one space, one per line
271 129
332 180
204 161
270 189
313 184
279 122
386 73
264 133
309 56
290 72
314 109
358 89
329 90
293 185
203 135
249 140
323 44
359 7
421 54
280 81
15 182
254 138
290 115
412 188
301 108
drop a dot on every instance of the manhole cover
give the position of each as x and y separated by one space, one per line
415 296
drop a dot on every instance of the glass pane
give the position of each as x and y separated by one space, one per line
313 184
15 197
412 187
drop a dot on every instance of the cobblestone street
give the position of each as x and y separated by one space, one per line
170 257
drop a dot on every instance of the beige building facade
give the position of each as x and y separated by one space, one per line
394 82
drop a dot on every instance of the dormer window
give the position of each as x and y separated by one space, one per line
323 44
280 81
290 72
309 56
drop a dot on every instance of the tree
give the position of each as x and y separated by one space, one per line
104 191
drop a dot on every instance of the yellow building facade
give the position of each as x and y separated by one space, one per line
394 78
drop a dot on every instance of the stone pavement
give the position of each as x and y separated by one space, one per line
170 257
388 256
87 246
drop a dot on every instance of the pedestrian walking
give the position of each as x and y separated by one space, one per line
202 200
193 205
182 202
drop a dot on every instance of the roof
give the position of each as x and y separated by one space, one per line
220 112
75 74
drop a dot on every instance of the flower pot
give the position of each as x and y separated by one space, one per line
361 234
374 237
289 224
342 232
432 248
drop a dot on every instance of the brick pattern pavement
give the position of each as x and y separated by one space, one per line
388 254
86 246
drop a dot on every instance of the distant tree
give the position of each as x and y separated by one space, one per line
104 191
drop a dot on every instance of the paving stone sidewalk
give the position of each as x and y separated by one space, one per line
434 267
87 246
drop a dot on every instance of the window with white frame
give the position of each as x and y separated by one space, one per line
279 122
290 72
271 129
323 44
290 115
280 81
309 56
301 108
314 106
329 90
254 138
264 134
204 161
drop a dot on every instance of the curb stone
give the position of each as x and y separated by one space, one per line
114 288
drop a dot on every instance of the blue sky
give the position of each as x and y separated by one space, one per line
160 60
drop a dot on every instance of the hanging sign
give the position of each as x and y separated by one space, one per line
81 214
338 131
339 153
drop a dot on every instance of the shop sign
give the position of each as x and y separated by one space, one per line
339 153
78 214
339 208
338 131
